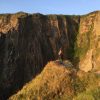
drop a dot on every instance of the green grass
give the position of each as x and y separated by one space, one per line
93 94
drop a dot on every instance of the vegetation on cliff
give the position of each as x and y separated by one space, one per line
59 81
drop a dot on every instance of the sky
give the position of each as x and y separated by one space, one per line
72 7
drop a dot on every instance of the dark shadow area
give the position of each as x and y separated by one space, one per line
68 37
25 52
73 31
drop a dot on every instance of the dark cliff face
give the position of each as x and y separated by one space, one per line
28 42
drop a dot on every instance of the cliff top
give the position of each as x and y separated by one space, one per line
21 12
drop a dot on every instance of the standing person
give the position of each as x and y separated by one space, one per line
60 54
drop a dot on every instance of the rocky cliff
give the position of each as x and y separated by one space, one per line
28 42
88 42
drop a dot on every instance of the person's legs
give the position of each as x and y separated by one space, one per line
62 58
59 57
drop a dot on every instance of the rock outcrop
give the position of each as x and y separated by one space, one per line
59 81
54 81
28 42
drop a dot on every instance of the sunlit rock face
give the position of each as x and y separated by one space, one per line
28 42
88 42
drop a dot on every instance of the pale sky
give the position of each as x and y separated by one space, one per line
50 6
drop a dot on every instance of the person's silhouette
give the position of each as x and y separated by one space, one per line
60 54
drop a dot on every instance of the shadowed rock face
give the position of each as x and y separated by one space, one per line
28 42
